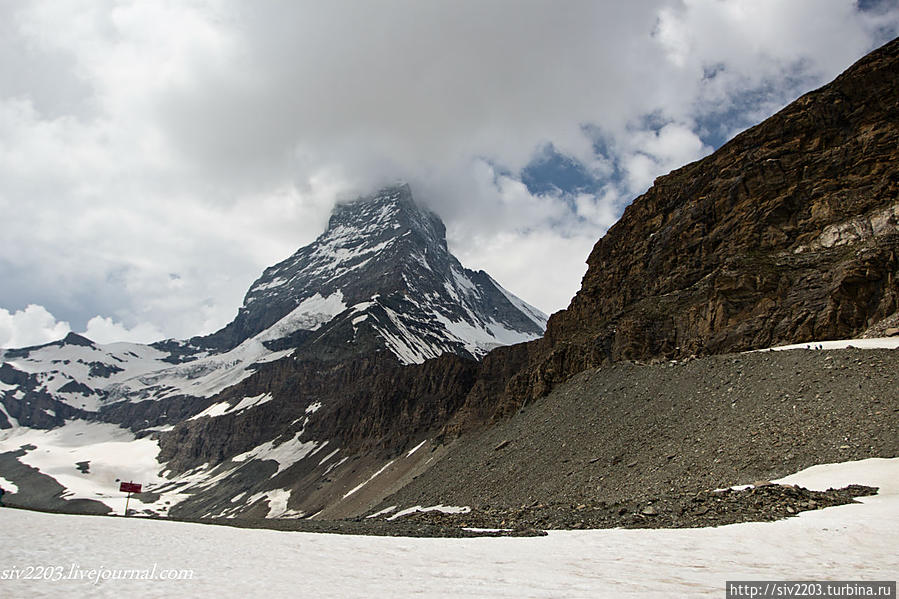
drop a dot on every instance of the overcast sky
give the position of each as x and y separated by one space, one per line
155 156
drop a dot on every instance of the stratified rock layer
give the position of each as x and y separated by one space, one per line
788 233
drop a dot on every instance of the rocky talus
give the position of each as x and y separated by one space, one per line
632 432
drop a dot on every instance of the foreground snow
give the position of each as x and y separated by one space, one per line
851 542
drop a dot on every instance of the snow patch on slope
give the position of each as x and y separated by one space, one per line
444 509
223 408
7 486
286 454
538 317
408 347
479 340
370 478
277 503
309 315
112 454
875 472
873 343
201 378
416 448
11 420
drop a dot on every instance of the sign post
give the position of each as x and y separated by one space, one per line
129 488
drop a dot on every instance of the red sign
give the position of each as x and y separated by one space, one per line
129 487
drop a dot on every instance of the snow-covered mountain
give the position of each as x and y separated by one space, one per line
380 276
379 279
378 285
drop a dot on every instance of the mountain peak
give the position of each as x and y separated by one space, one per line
385 257
76 339
391 198
391 209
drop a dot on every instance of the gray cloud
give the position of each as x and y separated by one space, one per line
155 156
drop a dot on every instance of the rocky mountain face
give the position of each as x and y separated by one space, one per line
788 233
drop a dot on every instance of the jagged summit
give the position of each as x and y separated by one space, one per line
380 277
392 207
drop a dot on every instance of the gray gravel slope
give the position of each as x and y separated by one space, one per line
633 431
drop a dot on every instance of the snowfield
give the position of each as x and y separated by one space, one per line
850 542
108 453
89 459
873 343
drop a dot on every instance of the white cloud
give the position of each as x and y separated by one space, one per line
32 326
540 251
653 153
35 325
156 156
602 210
105 330
544 267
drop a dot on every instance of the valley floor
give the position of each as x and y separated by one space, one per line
848 542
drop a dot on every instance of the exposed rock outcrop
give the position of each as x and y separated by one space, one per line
368 404
787 233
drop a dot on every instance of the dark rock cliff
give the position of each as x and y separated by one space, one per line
788 233
370 403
